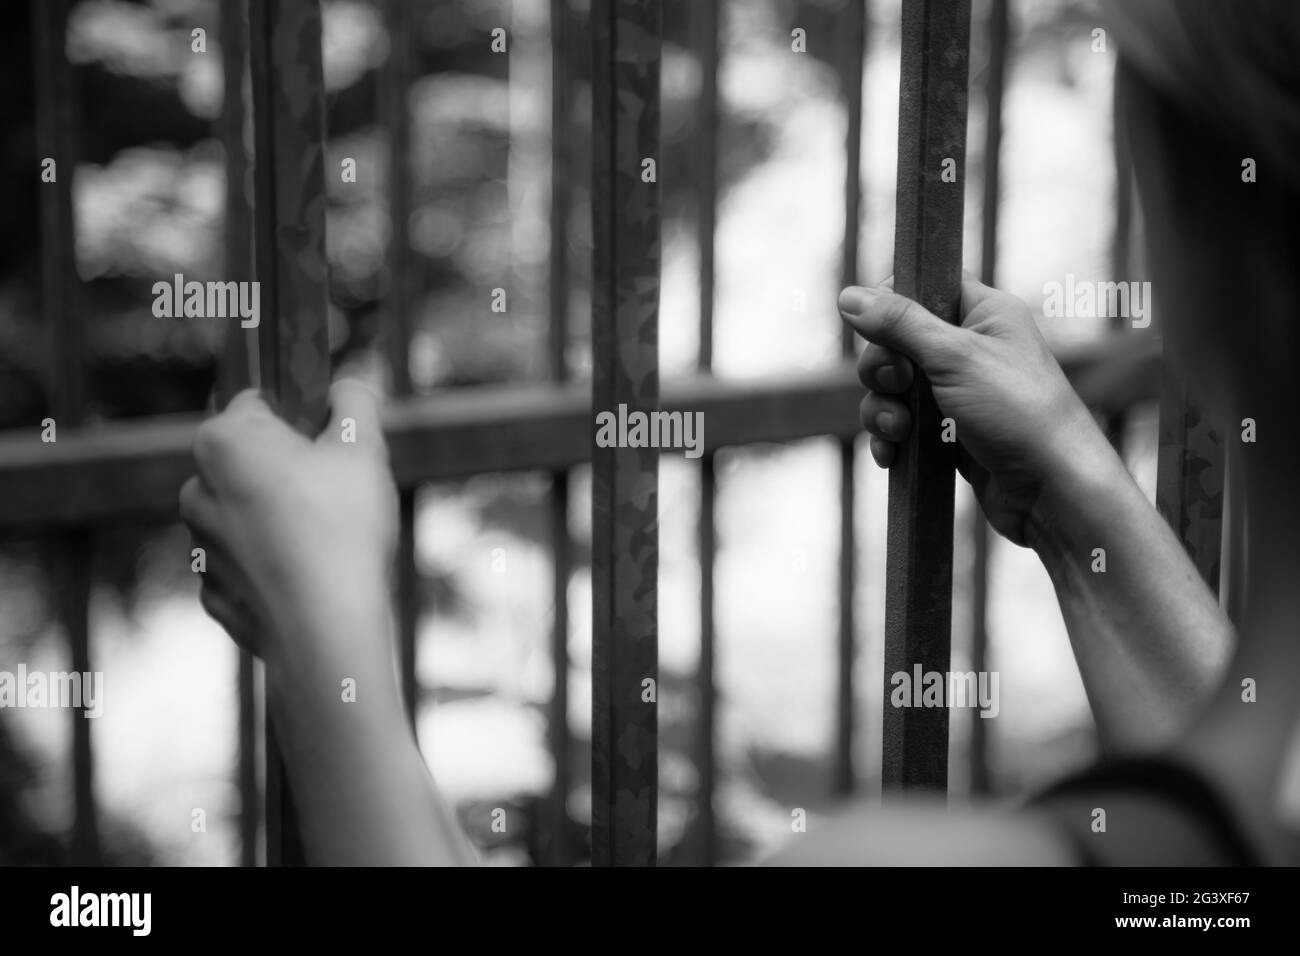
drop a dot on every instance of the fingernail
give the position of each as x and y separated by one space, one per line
855 299
887 375
885 421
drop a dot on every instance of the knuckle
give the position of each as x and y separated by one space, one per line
210 440
189 500
907 311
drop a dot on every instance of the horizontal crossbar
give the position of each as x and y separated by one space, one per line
133 469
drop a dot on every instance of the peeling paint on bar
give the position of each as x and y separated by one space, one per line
1190 472
293 344
626 46
927 268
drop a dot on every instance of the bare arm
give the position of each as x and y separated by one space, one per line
1148 635
299 536
360 784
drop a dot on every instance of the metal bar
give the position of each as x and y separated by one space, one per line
71 550
394 83
855 44
998 29
56 122
705 20
559 739
1233 572
927 268
293 345
134 468
234 373
1190 472
627 42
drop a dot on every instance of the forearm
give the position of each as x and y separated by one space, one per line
1149 637
360 785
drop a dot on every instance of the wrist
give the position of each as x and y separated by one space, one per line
330 632
1080 489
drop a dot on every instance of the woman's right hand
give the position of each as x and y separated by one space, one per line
1022 431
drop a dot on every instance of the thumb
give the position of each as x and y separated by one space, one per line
354 410
901 324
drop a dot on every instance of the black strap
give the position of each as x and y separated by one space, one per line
1168 814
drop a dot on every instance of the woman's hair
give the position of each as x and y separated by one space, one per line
1233 66
1208 94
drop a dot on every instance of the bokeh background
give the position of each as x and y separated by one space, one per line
149 201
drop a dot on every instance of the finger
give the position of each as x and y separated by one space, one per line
974 292
882 451
885 416
230 614
229 446
198 508
354 408
884 370
900 324
248 402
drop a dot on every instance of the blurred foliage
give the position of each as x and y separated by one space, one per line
150 200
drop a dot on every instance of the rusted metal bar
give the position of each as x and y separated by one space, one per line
1190 472
71 550
559 739
234 373
134 468
854 39
927 268
394 83
293 345
705 17
1233 574
626 46
997 28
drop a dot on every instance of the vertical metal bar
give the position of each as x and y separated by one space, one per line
293 345
233 372
998 28
394 83
1234 572
71 551
56 122
927 268
706 18
1190 471
558 853
855 39
627 42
